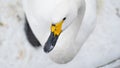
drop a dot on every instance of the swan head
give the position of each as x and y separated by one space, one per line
61 19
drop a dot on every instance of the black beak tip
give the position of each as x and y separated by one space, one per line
51 42
48 48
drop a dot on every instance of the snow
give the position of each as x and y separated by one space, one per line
101 50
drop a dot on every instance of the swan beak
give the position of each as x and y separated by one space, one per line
56 30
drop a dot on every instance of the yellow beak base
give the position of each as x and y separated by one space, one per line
57 28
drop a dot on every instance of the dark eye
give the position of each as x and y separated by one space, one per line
64 18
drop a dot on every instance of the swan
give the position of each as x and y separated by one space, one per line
60 26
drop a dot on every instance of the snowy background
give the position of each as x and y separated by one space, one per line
101 50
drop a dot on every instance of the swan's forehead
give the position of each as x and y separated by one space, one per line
64 9
61 11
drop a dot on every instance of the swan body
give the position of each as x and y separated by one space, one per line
75 29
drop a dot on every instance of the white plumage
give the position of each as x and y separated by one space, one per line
76 28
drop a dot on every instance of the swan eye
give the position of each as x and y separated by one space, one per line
64 18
